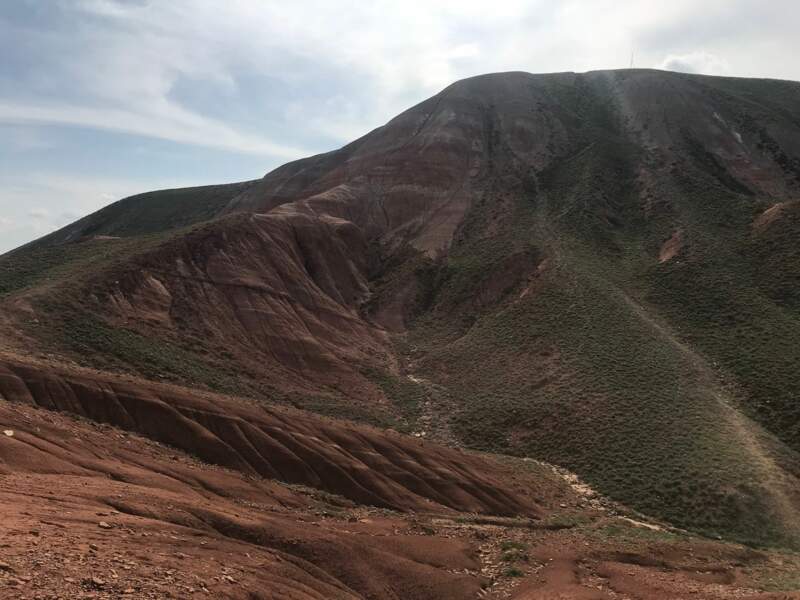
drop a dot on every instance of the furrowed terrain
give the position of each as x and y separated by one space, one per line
599 271
94 508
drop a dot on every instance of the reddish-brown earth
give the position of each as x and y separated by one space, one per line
366 465
279 292
93 509
488 269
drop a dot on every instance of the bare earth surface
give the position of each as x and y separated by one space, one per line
96 511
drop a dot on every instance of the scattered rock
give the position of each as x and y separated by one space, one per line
104 525
9 432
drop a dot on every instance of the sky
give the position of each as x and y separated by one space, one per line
101 99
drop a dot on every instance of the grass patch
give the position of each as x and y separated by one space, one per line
511 545
407 396
51 265
118 349
341 408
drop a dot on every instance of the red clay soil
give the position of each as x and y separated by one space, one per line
366 465
92 510
278 294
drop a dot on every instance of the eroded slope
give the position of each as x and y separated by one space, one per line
594 269
95 511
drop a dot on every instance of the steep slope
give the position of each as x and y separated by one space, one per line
642 371
598 270
368 466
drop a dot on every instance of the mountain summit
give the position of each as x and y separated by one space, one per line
597 270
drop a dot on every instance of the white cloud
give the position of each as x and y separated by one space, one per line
346 67
696 62
169 123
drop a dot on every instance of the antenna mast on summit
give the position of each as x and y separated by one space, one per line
631 60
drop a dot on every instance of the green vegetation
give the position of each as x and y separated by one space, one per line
511 545
406 395
45 265
641 377
513 552
118 349
340 408
785 578
151 212
628 534
613 399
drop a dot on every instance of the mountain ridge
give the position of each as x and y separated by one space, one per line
575 262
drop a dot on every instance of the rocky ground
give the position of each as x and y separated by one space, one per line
94 511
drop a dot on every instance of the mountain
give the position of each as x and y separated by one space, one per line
598 270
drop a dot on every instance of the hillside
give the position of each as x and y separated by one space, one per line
94 508
596 270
